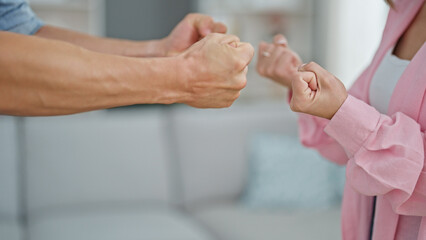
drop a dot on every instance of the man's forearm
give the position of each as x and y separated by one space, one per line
47 77
128 48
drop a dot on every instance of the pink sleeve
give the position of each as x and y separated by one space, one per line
312 135
386 155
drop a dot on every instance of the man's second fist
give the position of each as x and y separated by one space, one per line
189 31
214 70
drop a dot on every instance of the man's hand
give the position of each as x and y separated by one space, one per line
277 61
213 71
189 31
317 92
42 77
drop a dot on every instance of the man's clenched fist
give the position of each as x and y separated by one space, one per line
213 71
189 31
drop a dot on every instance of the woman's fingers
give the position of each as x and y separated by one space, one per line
274 67
268 50
265 57
302 89
262 48
301 92
311 79
313 67
280 40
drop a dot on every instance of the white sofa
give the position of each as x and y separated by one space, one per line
146 173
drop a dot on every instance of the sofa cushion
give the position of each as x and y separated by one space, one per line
9 185
116 224
212 146
285 174
10 230
116 156
234 222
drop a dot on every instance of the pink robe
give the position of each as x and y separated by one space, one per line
384 154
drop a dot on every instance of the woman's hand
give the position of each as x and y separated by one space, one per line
317 92
277 61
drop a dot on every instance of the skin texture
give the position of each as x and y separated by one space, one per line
315 91
413 38
282 64
225 68
190 30
67 72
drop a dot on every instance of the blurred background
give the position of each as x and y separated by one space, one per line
177 173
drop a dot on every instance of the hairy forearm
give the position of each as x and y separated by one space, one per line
128 48
40 77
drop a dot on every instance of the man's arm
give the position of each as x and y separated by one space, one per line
154 48
48 77
190 30
45 77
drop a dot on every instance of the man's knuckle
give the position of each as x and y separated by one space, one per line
228 104
214 34
234 36
240 64
236 96
251 49
242 84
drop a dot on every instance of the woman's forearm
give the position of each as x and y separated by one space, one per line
47 77
128 48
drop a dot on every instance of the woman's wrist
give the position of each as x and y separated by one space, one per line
341 100
354 118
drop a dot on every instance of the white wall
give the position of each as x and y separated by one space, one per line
80 15
354 33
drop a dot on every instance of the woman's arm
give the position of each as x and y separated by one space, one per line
279 63
312 135
386 153
47 77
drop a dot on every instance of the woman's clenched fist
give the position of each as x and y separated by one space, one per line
317 92
213 71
